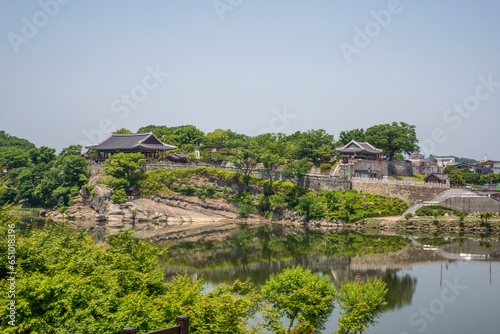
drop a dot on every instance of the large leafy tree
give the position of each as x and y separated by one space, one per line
125 166
245 161
356 134
298 295
361 303
313 145
297 170
158 130
393 138
271 150
188 134
7 140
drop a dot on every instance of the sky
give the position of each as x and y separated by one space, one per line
71 72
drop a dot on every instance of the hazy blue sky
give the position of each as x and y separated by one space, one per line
72 71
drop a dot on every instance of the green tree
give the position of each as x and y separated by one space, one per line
299 295
356 134
71 150
456 176
119 195
188 134
125 166
7 140
245 161
271 150
361 303
14 157
297 170
159 131
42 155
484 217
314 145
393 138
308 205
123 131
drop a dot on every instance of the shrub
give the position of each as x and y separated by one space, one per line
428 210
116 183
325 166
187 191
245 210
88 186
119 195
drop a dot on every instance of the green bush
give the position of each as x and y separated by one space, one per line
325 166
117 183
245 210
429 210
119 195
187 191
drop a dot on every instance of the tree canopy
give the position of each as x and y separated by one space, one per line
393 138
356 134
42 178
299 295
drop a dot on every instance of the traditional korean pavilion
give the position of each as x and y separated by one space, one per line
360 150
146 143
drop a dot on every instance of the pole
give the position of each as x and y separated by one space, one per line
183 321
163 137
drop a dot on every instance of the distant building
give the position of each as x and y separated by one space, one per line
437 178
417 157
480 168
443 162
431 168
417 167
493 165
145 143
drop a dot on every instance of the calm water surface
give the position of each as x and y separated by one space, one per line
437 284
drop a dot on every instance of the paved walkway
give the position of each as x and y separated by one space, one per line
440 198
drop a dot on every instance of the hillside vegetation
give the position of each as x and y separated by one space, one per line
252 195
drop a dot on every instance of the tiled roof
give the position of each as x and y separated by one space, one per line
358 147
130 141
439 176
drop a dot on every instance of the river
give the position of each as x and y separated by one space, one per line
436 283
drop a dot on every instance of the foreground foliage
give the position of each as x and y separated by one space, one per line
68 284
361 303
298 294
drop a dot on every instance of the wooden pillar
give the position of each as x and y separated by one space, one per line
129 330
183 321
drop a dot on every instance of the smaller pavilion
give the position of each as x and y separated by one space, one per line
145 143
359 150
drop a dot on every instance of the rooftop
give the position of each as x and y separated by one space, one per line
132 141
358 147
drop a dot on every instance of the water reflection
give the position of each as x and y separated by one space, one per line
400 289
258 253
